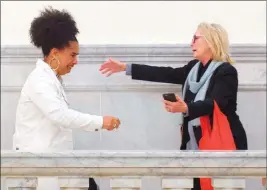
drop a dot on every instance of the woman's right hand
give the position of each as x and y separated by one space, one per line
110 123
112 66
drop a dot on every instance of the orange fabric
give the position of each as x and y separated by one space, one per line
263 181
219 138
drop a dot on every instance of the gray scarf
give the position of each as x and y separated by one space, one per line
200 89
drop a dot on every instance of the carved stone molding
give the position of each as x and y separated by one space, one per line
18 61
241 53
133 163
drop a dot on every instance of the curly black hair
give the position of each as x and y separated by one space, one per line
53 29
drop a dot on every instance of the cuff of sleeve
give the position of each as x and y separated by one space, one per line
97 123
128 69
188 108
186 114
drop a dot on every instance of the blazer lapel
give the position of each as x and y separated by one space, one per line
57 79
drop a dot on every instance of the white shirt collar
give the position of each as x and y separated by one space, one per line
41 63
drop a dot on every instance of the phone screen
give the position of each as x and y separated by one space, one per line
170 97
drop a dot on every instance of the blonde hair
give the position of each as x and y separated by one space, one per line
217 38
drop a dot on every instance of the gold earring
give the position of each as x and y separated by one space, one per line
58 63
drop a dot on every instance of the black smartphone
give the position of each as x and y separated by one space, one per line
170 97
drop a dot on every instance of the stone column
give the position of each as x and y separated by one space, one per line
177 183
19 183
124 183
228 184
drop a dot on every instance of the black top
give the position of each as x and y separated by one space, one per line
223 89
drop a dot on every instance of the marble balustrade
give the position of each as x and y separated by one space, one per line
125 169
145 125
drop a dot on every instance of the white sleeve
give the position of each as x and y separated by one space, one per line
43 92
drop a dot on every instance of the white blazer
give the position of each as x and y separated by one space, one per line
43 119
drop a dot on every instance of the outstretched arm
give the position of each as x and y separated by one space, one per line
43 93
149 73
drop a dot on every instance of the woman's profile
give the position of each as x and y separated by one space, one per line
44 121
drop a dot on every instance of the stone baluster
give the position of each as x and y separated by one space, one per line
74 183
3 183
125 183
19 183
30 183
177 183
228 184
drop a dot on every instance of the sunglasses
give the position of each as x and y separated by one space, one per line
195 37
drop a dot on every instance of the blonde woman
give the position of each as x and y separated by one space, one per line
210 76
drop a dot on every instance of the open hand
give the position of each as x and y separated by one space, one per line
112 66
175 107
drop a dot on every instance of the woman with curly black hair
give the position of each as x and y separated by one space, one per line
44 120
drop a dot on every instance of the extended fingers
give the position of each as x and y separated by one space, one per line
105 65
169 108
166 102
115 122
105 70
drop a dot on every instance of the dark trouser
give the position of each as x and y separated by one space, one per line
196 184
92 184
